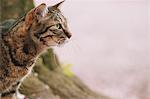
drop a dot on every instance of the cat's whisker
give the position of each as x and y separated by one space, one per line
75 45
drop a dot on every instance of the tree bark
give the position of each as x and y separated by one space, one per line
47 81
13 9
54 82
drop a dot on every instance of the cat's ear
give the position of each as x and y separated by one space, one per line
56 6
35 14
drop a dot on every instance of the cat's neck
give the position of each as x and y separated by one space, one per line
22 49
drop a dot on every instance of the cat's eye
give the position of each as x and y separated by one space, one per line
55 27
58 26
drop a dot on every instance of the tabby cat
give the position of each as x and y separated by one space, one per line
36 31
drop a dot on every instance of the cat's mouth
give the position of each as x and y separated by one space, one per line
51 40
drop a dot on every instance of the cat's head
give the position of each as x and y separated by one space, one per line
47 26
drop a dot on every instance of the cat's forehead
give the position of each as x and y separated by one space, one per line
57 16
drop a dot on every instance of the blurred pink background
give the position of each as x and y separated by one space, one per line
110 48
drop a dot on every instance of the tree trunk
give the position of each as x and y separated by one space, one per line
48 80
13 9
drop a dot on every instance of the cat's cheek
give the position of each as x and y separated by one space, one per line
49 42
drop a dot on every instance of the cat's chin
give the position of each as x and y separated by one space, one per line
54 43
58 44
51 45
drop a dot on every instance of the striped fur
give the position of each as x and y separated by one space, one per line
25 40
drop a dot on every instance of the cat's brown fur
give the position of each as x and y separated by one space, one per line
25 40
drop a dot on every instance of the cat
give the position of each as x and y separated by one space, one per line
39 29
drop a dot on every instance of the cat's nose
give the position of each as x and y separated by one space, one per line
68 34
